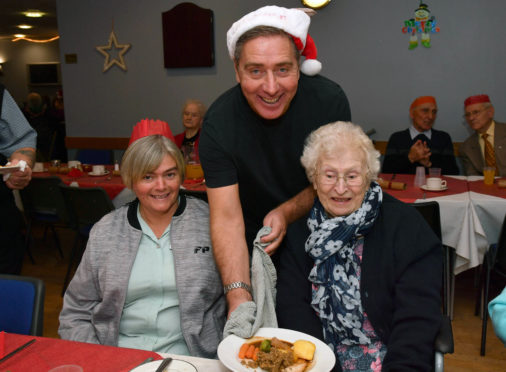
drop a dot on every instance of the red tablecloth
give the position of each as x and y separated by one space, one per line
493 190
412 193
46 353
113 185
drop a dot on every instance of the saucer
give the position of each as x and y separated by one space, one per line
424 187
98 174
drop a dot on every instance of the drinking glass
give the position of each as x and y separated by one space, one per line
488 175
420 176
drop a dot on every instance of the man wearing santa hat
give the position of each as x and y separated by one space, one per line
250 149
487 145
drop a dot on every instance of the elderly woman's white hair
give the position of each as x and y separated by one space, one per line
331 139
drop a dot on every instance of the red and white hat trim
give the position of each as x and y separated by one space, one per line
293 21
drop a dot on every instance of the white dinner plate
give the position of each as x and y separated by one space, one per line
9 169
228 350
98 174
176 365
424 187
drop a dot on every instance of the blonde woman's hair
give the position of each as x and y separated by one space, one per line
145 155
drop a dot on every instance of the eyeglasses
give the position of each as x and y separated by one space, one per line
467 115
350 179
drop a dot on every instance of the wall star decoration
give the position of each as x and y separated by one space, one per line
105 50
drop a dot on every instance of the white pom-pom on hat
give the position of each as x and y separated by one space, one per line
293 21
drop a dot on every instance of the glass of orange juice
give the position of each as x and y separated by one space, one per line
194 171
488 175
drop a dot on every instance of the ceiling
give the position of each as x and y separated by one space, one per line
11 15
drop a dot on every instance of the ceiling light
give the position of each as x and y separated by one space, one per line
33 13
19 36
24 27
315 4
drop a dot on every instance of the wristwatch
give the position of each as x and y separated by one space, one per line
236 285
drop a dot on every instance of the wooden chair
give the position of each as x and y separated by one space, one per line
85 207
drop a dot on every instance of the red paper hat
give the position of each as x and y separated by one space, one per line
149 127
421 100
480 98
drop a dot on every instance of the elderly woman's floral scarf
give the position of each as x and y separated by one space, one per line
336 288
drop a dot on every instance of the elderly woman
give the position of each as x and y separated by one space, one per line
188 141
147 279
377 274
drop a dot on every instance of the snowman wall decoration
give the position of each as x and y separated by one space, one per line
423 24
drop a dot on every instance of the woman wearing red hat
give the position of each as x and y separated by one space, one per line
137 285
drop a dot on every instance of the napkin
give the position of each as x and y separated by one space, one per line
2 344
22 165
249 316
501 183
391 184
74 172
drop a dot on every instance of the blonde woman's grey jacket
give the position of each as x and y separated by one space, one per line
95 297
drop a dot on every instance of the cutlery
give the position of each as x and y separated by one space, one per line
164 364
150 359
18 349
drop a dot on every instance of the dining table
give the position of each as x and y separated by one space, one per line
46 353
111 182
471 212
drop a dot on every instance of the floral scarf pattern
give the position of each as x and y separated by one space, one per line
336 285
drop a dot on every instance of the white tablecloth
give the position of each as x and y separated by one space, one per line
470 222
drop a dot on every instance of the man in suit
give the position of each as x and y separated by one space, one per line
420 145
487 145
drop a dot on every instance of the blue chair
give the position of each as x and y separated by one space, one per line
22 304
93 156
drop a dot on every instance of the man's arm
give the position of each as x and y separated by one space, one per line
229 241
286 213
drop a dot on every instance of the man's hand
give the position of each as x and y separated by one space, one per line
420 153
20 179
278 223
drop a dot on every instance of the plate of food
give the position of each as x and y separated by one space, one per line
9 168
176 365
295 351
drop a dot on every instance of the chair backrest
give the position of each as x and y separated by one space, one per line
43 196
430 212
94 156
86 206
500 258
22 304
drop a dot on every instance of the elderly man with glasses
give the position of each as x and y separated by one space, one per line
487 145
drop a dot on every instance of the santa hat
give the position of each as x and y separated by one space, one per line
149 127
480 98
294 22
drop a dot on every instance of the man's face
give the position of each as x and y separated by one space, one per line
268 73
423 116
479 116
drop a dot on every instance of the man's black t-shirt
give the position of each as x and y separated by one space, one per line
263 156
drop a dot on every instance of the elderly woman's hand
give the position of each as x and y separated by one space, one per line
278 223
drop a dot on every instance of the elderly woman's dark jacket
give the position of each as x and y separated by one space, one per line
400 285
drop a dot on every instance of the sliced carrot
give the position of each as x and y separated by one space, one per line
250 351
255 354
242 351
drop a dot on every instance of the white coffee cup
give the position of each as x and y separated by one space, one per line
435 183
98 169
38 167
73 163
